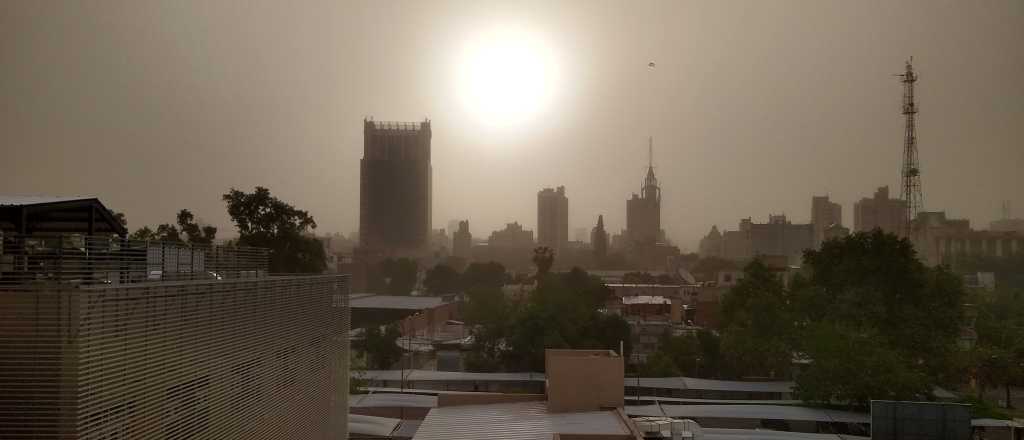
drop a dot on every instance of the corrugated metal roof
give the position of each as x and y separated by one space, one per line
780 412
396 302
677 400
433 375
370 425
656 382
6 200
407 429
645 299
395 375
514 421
996 423
392 400
694 383
644 410
761 434
454 376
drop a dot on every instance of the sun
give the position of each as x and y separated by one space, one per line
507 77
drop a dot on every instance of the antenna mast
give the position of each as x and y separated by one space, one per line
911 172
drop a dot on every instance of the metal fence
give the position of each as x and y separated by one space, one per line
80 259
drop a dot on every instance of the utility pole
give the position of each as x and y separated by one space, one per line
911 171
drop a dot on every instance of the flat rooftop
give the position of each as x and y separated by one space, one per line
515 421
393 302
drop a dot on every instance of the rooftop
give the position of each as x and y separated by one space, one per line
516 421
399 126
777 412
394 302
645 299
8 200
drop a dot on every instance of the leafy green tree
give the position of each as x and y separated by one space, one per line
265 221
998 358
441 279
660 364
854 366
543 258
398 276
380 346
869 294
489 314
143 233
758 323
194 232
490 274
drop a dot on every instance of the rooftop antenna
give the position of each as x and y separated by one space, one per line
911 171
650 151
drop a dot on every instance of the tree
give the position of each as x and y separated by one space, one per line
394 276
194 232
758 324
490 274
381 346
869 294
265 221
998 358
543 258
120 217
143 233
441 279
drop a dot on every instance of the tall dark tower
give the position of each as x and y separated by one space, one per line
395 188
911 172
643 211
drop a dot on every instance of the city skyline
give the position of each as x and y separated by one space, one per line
754 113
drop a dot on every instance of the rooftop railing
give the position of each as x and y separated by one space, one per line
89 260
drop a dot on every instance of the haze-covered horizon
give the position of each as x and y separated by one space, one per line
753 106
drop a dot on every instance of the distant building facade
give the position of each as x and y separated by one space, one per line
778 237
462 240
940 240
712 244
1008 225
513 236
880 212
824 214
395 187
553 218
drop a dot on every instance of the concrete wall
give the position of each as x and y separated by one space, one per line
583 380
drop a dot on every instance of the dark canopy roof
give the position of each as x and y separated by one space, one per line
36 215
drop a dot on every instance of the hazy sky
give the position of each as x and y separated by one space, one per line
754 106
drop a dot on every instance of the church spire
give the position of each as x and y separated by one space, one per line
650 188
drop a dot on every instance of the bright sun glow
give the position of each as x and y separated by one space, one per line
507 77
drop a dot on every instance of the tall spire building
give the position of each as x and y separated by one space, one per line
643 211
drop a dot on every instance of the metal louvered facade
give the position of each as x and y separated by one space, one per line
247 358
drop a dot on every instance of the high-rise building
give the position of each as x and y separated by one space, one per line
462 240
553 218
643 211
599 240
879 212
395 187
145 343
824 213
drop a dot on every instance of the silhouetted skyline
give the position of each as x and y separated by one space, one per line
754 106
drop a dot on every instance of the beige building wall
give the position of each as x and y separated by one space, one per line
262 358
583 380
